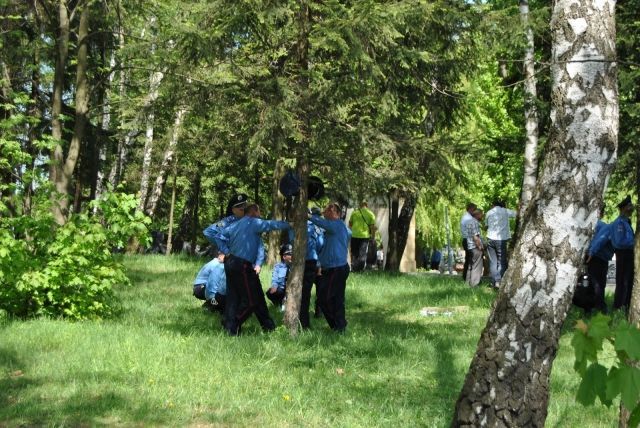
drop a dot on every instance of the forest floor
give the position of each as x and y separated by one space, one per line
165 362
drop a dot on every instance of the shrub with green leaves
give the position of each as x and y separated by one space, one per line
68 270
623 377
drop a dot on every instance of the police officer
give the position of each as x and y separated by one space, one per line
277 292
334 266
235 211
598 256
622 241
239 241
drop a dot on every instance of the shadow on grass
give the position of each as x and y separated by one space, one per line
107 407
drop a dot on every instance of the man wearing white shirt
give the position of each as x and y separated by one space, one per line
498 235
466 217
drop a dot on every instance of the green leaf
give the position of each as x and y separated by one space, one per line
599 328
634 418
624 380
593 385
627 339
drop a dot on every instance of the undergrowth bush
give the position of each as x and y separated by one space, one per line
68 270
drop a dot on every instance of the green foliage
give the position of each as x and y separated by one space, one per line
121 219
623 377
67 271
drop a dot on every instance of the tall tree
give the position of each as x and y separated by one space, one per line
62 167
508 380
531 112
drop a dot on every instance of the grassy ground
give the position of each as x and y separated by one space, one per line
164 362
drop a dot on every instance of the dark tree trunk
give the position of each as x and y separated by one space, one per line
277 210
399 223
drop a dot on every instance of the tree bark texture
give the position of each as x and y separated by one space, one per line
62 167
57 154
399 223
277 210
158 186
530 112
634 307
154 86
296 272
300 213
508 380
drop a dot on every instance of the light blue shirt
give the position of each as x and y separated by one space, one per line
622 234
211 231
279 275
213 276
336 242
242 238
315 240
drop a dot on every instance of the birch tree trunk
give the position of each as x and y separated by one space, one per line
530 113
167 159
508 381
106 124
61 168
154 85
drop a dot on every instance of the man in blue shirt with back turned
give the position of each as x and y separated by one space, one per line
334 266
622 240
598 256
240 242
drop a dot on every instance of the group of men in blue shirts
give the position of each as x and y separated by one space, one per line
241 255
609 239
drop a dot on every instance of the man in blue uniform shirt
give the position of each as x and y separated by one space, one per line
277 292
211 284
599 254
240 242
235 211
622 240
334 266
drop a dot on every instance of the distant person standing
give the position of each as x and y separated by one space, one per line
498 235
362 223
622 239
476 247
599 254
466 217
332 280
240 242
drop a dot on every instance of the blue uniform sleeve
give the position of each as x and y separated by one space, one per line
261 256
221 240
600 239
210 233
262 226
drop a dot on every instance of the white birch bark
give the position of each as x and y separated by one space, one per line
530 113
508 380
106 123
167 159
154 86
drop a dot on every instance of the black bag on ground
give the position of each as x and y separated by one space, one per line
584 297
